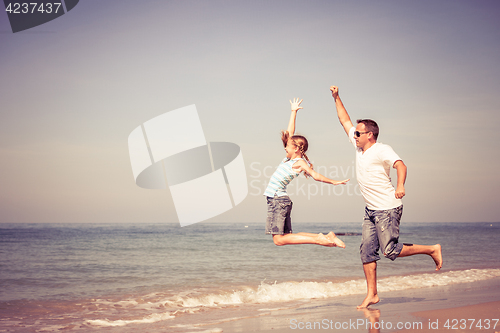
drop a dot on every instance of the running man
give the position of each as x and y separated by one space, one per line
384 206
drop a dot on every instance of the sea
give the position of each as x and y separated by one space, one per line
164 278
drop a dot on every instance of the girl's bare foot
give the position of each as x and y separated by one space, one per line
369 300
437 256
335 240
324 240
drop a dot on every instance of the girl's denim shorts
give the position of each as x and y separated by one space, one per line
278 215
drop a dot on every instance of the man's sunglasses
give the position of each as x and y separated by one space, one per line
358 133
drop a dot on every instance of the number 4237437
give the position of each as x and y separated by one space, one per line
455 324
33 7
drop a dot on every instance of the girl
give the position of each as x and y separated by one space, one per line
279 205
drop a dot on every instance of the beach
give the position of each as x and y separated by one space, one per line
139 139
232 278
435 309
432 309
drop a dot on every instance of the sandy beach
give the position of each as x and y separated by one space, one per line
108 279
471 318
415 310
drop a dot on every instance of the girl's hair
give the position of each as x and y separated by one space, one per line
298 141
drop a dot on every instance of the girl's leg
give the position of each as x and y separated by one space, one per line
278 220
329 240
332 238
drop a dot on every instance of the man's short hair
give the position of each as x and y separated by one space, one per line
370 126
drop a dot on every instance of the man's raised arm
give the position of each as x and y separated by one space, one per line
344 118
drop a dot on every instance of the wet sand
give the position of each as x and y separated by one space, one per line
484 317
414 310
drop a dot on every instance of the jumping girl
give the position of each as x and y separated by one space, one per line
279 205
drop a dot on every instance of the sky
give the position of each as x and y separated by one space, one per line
73 89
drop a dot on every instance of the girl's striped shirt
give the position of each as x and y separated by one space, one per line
283 175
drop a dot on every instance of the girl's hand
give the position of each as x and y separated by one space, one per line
295 104
341 182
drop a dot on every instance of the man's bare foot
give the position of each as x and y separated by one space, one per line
437 256
369 300
335 240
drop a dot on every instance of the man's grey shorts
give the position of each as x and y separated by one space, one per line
381 231
278 215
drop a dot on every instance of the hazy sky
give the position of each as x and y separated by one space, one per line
73 89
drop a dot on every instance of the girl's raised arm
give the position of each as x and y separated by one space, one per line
295 106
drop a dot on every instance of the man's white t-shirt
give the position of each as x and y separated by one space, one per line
373 173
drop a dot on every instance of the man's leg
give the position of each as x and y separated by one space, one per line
369 256
431 250
370 270
388 230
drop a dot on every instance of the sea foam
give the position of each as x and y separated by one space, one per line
296 291
289 291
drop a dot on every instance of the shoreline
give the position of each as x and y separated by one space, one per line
418 309
414 309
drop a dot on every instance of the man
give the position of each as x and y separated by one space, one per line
383 203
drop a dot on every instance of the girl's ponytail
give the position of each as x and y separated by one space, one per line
284 137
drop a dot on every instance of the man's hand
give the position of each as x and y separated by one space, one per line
335 91
400 192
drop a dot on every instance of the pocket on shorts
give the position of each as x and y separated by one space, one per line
389 221
395 218
383 219
397 212
285 205
271 207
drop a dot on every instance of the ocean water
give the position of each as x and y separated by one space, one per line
123 277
